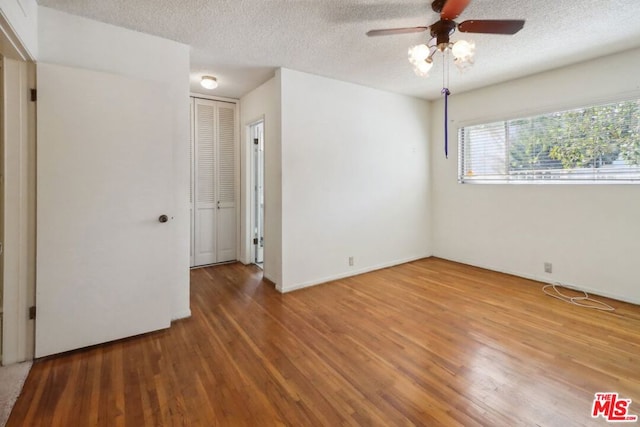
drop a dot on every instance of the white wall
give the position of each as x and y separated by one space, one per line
20 19
263 103
355 179
78 42
590 233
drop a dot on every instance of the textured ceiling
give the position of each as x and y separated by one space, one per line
242 42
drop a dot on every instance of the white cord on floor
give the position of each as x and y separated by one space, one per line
594 303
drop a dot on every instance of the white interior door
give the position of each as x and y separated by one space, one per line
226 191
206 169
103 170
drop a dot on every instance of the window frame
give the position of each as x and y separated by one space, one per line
633 95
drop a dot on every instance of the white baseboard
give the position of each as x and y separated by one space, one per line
349 274
181 315
271 279
548 280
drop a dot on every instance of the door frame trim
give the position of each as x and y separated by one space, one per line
248 252
18 145
252 184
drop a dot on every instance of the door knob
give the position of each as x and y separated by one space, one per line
163 218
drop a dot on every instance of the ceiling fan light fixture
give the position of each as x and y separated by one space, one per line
463 65
209 82
422 68
419 53
463 50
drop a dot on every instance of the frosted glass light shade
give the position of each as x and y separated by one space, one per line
418 53
422 68
463 50
209 82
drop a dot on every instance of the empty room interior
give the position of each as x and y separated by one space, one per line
319 213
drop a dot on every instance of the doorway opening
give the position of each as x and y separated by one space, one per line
1 206
256 133
17 204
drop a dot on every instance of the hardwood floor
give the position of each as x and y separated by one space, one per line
431 342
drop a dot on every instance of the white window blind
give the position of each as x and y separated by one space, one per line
596 143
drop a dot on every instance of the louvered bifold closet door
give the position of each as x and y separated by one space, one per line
226 170
205 165
192 170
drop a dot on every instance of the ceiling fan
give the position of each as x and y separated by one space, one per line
442 29
421 55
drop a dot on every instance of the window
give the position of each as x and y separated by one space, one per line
595 143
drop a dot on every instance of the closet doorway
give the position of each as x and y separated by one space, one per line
256 131
214 155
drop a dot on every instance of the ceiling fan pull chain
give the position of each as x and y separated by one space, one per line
446 93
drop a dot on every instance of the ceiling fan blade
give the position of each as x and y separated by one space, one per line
492 26
453 8
391 31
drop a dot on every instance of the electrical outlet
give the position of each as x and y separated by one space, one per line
351 261
548 268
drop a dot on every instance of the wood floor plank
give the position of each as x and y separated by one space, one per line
430 342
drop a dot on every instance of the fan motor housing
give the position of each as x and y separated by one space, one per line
441 30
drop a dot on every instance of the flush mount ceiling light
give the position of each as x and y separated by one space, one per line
209 82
